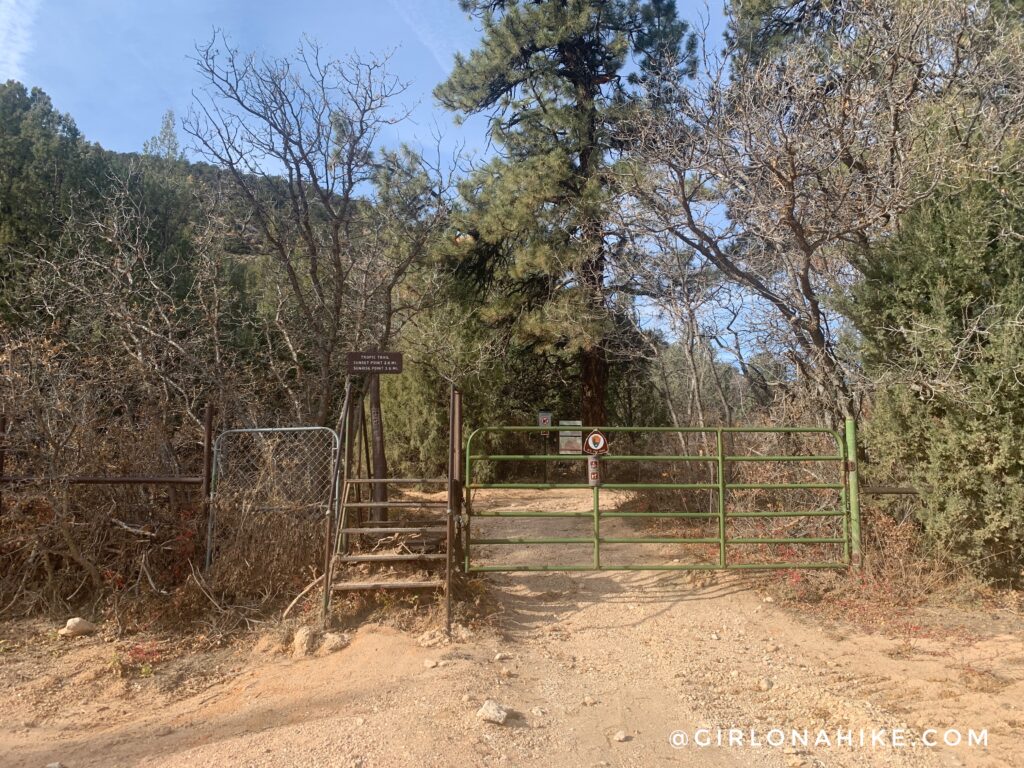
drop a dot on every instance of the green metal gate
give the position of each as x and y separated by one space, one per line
720 488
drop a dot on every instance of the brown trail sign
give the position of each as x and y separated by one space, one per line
596 443
360 363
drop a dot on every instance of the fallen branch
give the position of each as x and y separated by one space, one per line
301 594
132 529
202 588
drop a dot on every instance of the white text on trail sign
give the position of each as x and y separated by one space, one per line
596 443
374 362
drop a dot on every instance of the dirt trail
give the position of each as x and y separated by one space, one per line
589 655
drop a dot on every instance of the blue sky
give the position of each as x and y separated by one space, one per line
117 65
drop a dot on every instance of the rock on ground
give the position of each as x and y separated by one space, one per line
77 627
333 641
303 642
492 712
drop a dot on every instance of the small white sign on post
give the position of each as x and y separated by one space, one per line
570 440
544 421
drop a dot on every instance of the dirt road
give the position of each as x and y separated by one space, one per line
594 669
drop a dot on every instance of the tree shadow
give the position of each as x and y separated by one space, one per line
535 600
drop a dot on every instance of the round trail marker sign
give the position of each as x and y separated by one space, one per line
596 443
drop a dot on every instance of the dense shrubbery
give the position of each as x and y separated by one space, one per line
941 310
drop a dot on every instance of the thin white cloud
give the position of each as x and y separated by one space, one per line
16 17
439 26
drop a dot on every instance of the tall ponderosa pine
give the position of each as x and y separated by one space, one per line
760 29
554 75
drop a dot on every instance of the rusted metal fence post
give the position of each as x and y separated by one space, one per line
341 457
3 450
458 470
450 519
207 481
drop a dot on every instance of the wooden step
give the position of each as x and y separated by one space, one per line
367 585
398 480
430 522
411 529
388 558
396 504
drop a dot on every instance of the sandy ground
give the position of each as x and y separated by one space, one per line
583 658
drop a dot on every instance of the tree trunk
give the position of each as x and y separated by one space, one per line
326 391
379 468
670 401
593 360
594 381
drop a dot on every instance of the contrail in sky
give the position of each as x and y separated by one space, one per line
433 23
16 18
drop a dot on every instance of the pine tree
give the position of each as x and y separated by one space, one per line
165 144
41 160
761 29
555 76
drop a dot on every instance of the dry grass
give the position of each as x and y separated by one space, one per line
262 553
905 585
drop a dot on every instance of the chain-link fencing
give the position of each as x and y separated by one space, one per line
271 492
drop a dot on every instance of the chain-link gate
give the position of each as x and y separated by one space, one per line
282 479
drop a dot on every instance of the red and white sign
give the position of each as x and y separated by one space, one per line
544 421
596 443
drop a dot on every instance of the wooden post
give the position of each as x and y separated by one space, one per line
364 447
379 469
